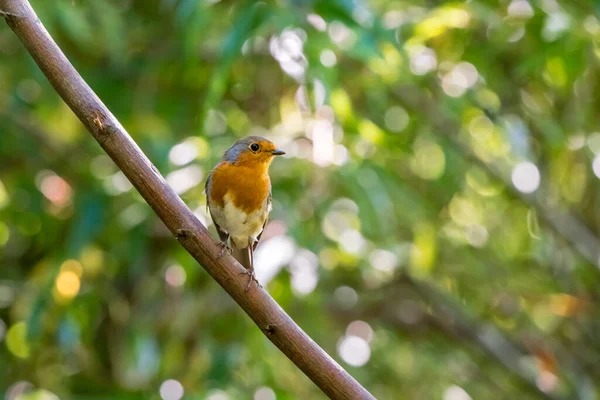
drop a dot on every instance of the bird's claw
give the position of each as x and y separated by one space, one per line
224 248
251 277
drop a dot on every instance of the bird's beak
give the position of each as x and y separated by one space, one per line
278 152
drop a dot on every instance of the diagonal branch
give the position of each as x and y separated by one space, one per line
279 328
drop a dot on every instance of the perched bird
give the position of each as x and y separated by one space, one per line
238 193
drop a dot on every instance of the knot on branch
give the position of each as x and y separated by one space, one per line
102 129
270 329
98 120
10 16
154 169
181 234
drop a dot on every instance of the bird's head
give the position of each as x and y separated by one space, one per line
252 151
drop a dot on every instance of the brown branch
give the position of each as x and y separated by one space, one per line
279 328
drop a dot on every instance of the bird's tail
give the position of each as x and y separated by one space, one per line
244 257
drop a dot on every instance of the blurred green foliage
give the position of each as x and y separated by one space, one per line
434 224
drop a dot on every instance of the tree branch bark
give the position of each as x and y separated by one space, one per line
277 326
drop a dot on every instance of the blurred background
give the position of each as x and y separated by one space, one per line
434 225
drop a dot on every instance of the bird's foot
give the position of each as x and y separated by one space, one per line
224 248
251 277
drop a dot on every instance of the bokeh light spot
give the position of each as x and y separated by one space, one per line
3 196
546 381
264 393
456 393
476 235
593 142
383 260
182 153
428 161
341 104
217 395
19 390
361 329
464 211
555 24
370 131
354 350
340 155
346 297
287 49
56 189
352 241
422 59
117 184
175 276
304 269
576 142
394 19
328 58
396 119
462 77
526 177
185 178
272 255
323 144
16 340
555 73
341 35
67 284
595 168
424 250
171 390
520 9
317 22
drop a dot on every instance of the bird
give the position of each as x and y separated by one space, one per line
238 197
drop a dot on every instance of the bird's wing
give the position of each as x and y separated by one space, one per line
224 236
207 189
266 220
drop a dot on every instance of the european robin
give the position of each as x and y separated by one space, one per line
238 194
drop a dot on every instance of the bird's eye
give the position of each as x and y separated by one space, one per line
254 147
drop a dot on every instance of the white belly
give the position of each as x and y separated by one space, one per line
243 228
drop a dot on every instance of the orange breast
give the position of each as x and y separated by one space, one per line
247 186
